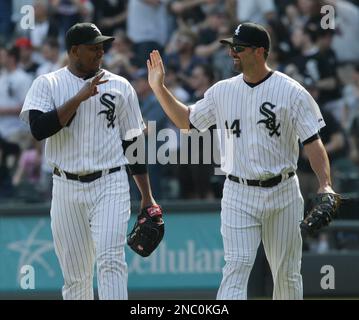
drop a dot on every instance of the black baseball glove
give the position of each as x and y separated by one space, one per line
324 210
147 232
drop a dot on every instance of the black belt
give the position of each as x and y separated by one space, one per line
260 183
87 177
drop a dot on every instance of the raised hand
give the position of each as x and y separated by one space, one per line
156 71
90 87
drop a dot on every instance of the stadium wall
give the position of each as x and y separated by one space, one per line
187 264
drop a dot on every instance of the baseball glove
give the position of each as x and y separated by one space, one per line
324 210
147 232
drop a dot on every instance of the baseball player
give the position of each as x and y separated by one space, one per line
89 117
264 112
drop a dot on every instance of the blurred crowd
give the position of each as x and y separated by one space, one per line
324 60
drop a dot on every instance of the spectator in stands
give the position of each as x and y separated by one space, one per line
216 26
17 15
151 111
354 138
208 33
258 11
172 171
147 27
6 25
9 153
68 13
173 83
26 56
184 57
345 40
318 61
281 44
202 78
309 10
188 12
121 59
351 98
14 84
51 54
195 179
299 13
329 85
45 25
29 165
335 143
110 15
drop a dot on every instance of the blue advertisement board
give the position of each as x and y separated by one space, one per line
189 257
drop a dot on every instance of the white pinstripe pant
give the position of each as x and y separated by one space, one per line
89 223
250 214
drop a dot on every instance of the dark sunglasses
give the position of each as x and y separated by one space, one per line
238 48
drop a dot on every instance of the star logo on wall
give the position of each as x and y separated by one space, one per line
32 250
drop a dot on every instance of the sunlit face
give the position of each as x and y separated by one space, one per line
141 86
119 45
297 38
184 43
242 56
356 76
3 56
88 57
46 52
306 6
325 41
197 78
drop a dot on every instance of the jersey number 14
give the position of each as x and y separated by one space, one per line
234 129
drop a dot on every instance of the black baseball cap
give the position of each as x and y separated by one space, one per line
249 34
84 33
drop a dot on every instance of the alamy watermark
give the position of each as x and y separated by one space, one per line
27 277
169 146
28 17
328 280
328 20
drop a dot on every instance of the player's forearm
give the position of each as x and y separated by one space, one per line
327 83
319 162
67 110
179 6
17 176
335 144
175 110
143 184
10 111
207 50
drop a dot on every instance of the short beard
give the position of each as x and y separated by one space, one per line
238 67
87 73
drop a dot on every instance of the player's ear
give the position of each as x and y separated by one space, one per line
74 51
259 52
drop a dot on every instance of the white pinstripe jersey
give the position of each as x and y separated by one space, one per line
265 122
92 141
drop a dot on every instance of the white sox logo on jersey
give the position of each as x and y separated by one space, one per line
110 112
270 120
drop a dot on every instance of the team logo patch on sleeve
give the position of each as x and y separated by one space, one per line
270 120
